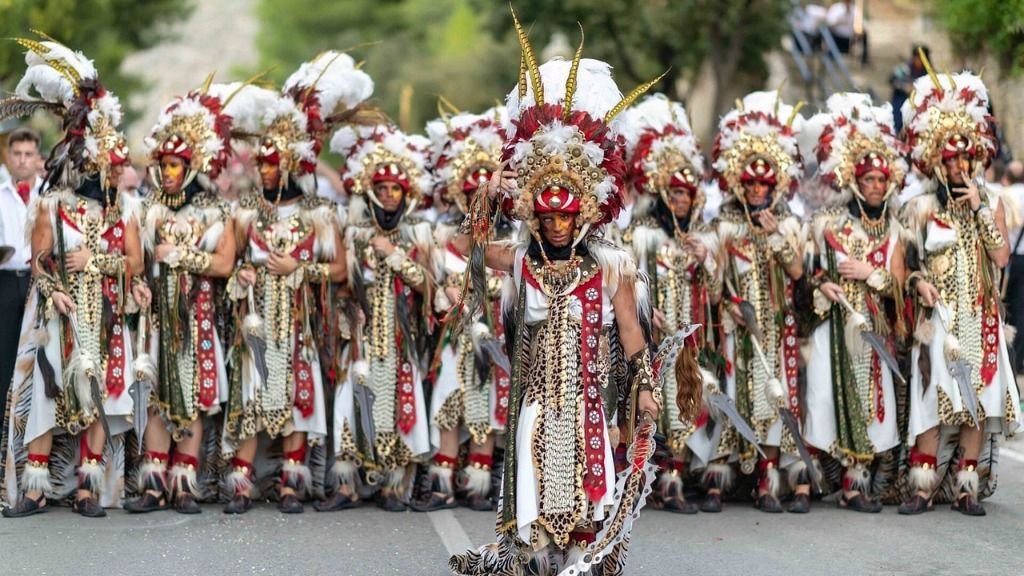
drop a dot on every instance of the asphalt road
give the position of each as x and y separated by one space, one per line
370 542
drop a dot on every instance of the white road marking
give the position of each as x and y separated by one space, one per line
448 528
1011 454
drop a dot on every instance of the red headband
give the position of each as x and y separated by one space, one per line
872 162
683 179
175 146
392 173
760 171
556 199
958 144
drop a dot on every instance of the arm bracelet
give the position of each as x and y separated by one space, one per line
106 264
409 272
319 273
880 280
991 237
195 261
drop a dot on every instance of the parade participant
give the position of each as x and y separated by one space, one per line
576 301
962 389
69 393
467 400
392 271
757 162
850 401
669 239
189 239
290 243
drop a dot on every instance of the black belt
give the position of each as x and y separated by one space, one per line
16 273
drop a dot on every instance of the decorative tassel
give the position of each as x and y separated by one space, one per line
770 479
855 323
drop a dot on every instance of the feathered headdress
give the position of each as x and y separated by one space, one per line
382 153
66 83
757 141
326 91
466 151
196 128
563 139
948 115
855 137
662 151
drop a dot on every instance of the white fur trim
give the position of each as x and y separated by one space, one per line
967 481
443 476
477 481
36 479
90 474
300 474
182 479
923 479
344 472
718 474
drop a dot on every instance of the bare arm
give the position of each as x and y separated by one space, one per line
223 261
42 238
339 266
132 248
499 257
1001 256
632 337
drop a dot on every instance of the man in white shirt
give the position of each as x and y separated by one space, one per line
16 193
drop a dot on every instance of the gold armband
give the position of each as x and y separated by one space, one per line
195 261
991 237
106 264
316 273
880 280
406 269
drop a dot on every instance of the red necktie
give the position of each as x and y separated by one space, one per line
24 190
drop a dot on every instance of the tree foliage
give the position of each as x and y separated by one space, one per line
105 30
467 49
995 27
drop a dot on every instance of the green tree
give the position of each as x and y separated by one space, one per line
105 30
643 38
428 47
995 27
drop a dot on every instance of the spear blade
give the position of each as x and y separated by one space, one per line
878 345
789 421
961 372
727 408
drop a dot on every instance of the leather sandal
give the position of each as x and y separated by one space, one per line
27 507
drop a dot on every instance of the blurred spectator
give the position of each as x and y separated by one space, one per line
22 160
902 81
328 182
129 182
1013 182
845 21
809 20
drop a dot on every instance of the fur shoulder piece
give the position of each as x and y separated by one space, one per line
824 218
323 214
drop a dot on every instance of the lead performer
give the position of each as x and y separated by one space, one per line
575 304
